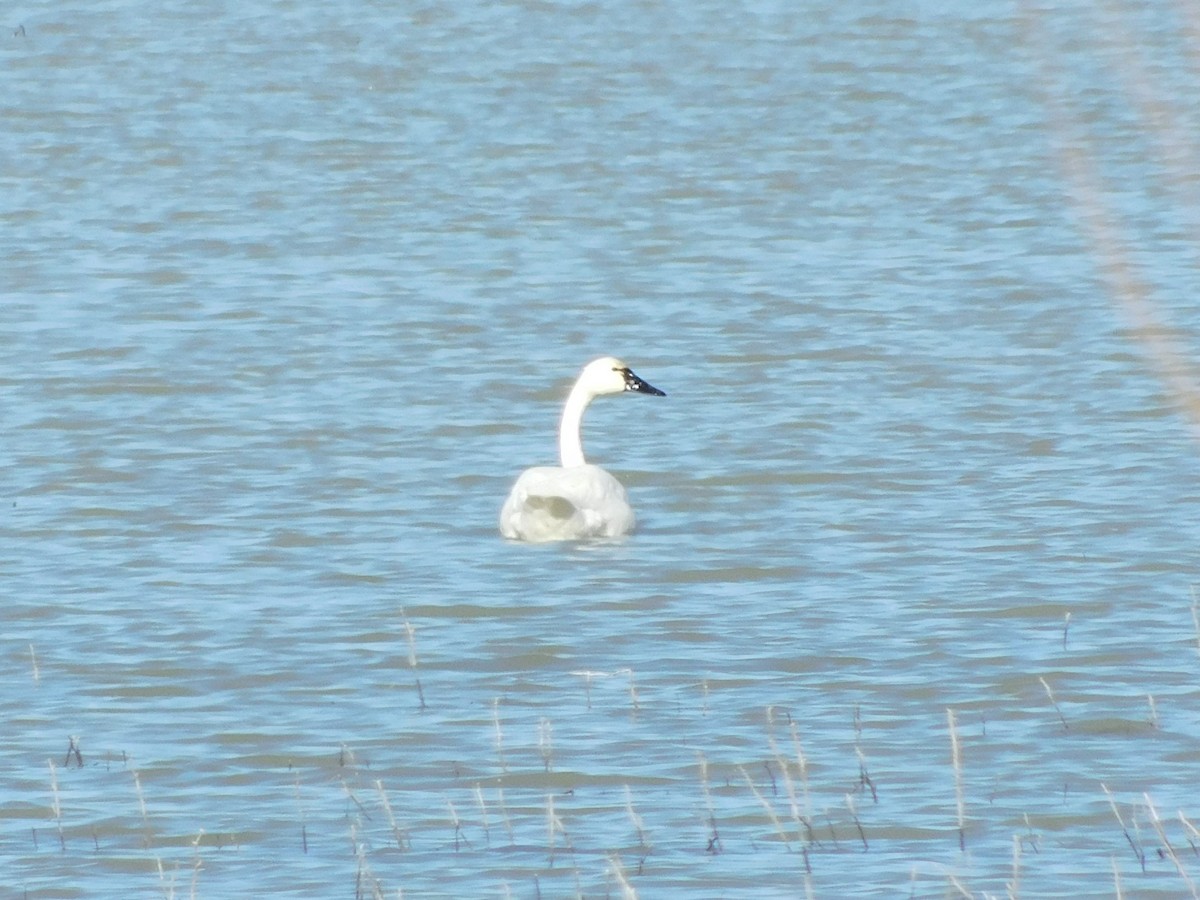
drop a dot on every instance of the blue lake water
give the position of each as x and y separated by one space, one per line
291 293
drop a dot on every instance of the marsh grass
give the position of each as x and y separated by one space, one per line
768 792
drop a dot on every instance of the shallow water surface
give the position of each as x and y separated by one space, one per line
291 295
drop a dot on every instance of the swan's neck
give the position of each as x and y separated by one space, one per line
570 444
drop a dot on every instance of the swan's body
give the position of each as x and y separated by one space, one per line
574 500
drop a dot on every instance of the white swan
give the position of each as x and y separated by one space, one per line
574 500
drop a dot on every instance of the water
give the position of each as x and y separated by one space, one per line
290 295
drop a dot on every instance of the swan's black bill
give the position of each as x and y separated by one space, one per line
633 383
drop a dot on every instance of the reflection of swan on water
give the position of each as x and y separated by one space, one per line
574 500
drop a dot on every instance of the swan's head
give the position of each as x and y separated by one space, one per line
608 375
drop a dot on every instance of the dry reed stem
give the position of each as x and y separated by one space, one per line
545 747
1137 850
483 814
137 786
766 805
499 734
633 694
1054 703
1192 832
802 762
1030 836
714 837
168 887
1196 617
1174 857
587 675
862 835
349 792
864 777
958 886
300 813
398 833
508 828
56 805
1086 193
410 633
639 826
956 762
197 865
365 883
459 837
1175 150
789 784
1014 885
627 891
554 824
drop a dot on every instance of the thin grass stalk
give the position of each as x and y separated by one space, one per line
956 762
397 832
1054 703
1138 852
627 891
766 805
714 837
545 745
1174 857
56 805
483 814
1014 884
499 734
410 633
802 763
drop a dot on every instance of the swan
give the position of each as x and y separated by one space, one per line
575 500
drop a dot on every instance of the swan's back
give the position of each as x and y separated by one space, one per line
552 503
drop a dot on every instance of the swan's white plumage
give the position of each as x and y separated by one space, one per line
575 500
552 503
